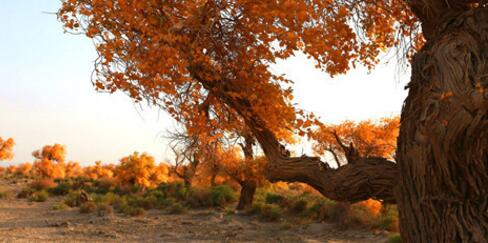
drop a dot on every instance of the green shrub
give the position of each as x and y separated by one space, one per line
60 206
272 198
298 206
135 211
199 197
3 195
176 190
88 207
388 219
177 208
39 196
396 238
62 188
222 195
256 208
74 199
271 213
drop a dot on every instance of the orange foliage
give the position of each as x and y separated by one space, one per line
49 161
6 149
186 55
240 169
139 169
24 169
370 138
99 171
373 206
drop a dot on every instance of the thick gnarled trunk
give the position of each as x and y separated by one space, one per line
248 188
443 143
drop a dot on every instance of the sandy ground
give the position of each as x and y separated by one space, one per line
23 221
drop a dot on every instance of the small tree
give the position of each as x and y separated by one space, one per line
6 149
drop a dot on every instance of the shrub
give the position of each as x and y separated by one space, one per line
135 211
298 206
104 209
176 190
25 193
177 208
388 219
88 207
76 198
60 206
222 195
42 184
271 213
3 195
39 196
62 188
272 198
199 197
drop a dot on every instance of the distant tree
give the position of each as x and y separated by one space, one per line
139 169
365 139
49 161
6 149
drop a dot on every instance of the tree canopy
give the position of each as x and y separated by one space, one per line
181 55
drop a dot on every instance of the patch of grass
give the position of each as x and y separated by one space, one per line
39 196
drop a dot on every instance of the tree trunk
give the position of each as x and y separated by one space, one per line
443 143
248 188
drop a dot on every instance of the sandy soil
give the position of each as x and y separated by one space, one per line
23 221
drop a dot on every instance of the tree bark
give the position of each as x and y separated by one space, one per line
443 143
248 188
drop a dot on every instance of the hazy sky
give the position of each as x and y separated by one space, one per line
46 95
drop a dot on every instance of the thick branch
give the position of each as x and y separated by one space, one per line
368 178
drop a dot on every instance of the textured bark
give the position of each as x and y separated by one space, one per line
248 188
443 143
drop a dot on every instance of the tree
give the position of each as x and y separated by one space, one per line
6 149
140 169
172 51
49 161
363 139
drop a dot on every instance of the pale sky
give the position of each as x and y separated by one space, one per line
46 96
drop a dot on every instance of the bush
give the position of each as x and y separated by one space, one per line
60 206
135 211
271 213
272 198
25 193
199 197
76 198
177 208
39 196
298 206
388 219
88 207
61 189
104 209
175 190
3 195
42 184
222 195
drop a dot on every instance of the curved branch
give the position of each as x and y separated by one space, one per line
368 178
